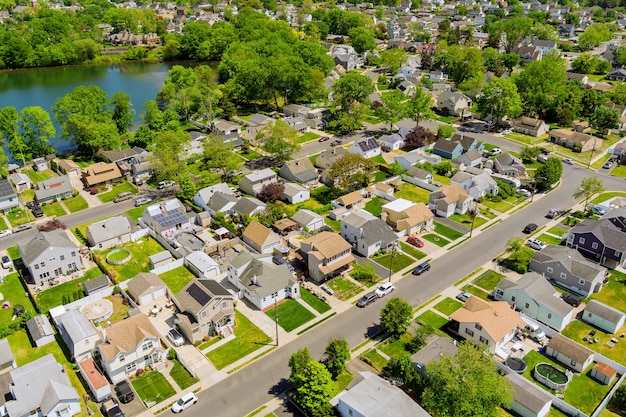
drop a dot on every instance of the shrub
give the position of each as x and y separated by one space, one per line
496 199
576 149
140 372
171 354
116 290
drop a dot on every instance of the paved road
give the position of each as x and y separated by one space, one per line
258 382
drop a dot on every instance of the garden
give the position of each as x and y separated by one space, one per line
577 330
140 251
291 314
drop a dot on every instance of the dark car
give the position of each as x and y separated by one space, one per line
571 300
32 204
421 268
37 211
335 143
367 299
530 227
124 392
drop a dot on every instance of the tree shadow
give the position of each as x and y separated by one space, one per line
280 387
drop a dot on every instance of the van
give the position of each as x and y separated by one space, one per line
278 260
535 331
126 195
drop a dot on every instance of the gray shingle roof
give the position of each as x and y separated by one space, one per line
602 310
32 249
39 327
527 394
304 217
571 259
6 354
144 283
569 348
6 189
53 187
109 228
266 278
219 200
246 205
540 290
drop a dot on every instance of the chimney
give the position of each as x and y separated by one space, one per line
104 336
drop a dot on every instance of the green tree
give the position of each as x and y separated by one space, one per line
541 85
336 355
167 155
466 385
604 119
514 30
549 173
351 171
585 63
395 317
220 155
314 388
123 111
594 35
590 100
392 59
36 127
500 98
529 153
445 131
279 139
589 187
352 88
297 363
187 189
362 39
10 135
401 369
392 108
419 107
515 243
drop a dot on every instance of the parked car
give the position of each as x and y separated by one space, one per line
37 211
335 143
32 204
535 244
324 139
415 241
142 200
184 402
608 164
530 227
568 161
554 213
386 288
524 192
110 408
463 296
126 195
421 268
175 337
597 210
495 151
124 392
545 151
4 233
165 184
367 299
6 262
22 227
571 300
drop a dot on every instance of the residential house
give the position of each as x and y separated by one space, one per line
298 123
533 295
468 142
49 255
41 388
569 269
254 182
328 157
101 173
438 77
8 196
544 46
40 164
603 316
94 285
7 360
260 238
380 189
471 158
316 118
166 218
258 119
352 201
295 193
570 139
327 255
367 148
580 126
129 345
97 383
284 226
617 74
373 396
367 234
509 166
409 159
300 171
248 206
21 181
69 168
206 307
528 399
406 217
203 196
145 287
603 373
261 281
418 175
141 168
109 232
475 182
569 353
447 148
53 188
492 324
528 54
40 330
449 200
228 132
78 333
202 265
602 240
454 104
530 126
391 142
566 30
122 157
308 219
221 203
437 348
345 56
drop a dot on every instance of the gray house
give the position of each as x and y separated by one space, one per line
53 188
602 316
109 232
40 330
49 255
367 233
309 219
78 333
254 182
569 269
7 360
327 158
8 197
203 196
300 171
533 295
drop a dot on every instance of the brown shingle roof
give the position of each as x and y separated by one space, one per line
351 198
257 233
101 172
126 335
328 244
496 318
569 348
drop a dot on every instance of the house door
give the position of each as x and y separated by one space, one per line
57 272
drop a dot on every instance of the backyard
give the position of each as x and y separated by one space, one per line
38 176
613 292
117 189
177 278
140 250
152 387
291 314
375 206
248 339
413 193
577 329
53 296
14 292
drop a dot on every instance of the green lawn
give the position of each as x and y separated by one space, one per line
439 241
117 189
75 204
177 278
441 179
320 306
556 231
28 195
53 209
448 306
17 216
248 339
549 239
378 159
585 393
374 359
38 176
394 348
501 206
380 176
135 213
526 139
152 386
412 251
181 375
291 314
476 291
343 380
433 319
140 250
3 224
14 292
488 280
466 220
249 154
53 296
613 293
333 224
413 193
312 158
532 358
577 329
344 289
307 137
400 261
607 196
447 232
619 171
375 206
14 252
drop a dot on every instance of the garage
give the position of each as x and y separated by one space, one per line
146 287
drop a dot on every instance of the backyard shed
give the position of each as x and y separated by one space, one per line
7 360
603 373
603 316
569 353
528 399
160 259
40 330
145 287
96 284
202 265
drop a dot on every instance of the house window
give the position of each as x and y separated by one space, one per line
581 281
147 346
594 245
589 315
36 266
563 275
573 363
478 327
469 332
526 305
62 412
550 270
146 358
512 298
122 358
62 257
618 254
43 264
73 253
483 340
581 240
131 366
549 315
224 304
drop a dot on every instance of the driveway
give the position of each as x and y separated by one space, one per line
380 270
454 225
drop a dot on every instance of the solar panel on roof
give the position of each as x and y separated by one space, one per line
197 294
5 188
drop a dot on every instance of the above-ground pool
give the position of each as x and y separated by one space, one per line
551 376
516 364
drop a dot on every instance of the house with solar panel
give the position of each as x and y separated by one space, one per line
367 148
8 197
206 308
166 218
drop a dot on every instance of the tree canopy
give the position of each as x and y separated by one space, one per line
396 316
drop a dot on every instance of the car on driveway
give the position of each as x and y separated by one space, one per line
367 299
535 244
421 268
124 392
463 296
524 192
608 164
184 402
335 143
6 262
495 151
568 161
386 288
4 233
571 300
597 210
415 241
530 227
175 337
37 212
165 184
324 138
142 200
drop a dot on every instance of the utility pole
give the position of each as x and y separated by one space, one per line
276 319
393 253
591 155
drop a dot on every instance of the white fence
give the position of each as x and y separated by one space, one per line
169 266
416 181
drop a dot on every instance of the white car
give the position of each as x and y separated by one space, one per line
184 402
175 336
386 288
463 296
524 192
4 233
568 161
495 151
536 244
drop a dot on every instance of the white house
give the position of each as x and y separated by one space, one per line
109 232
603 316
166 218
203 196
145 287
367 148
48 255
78 333
308 219
392 142
475 182
295 193
201 264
